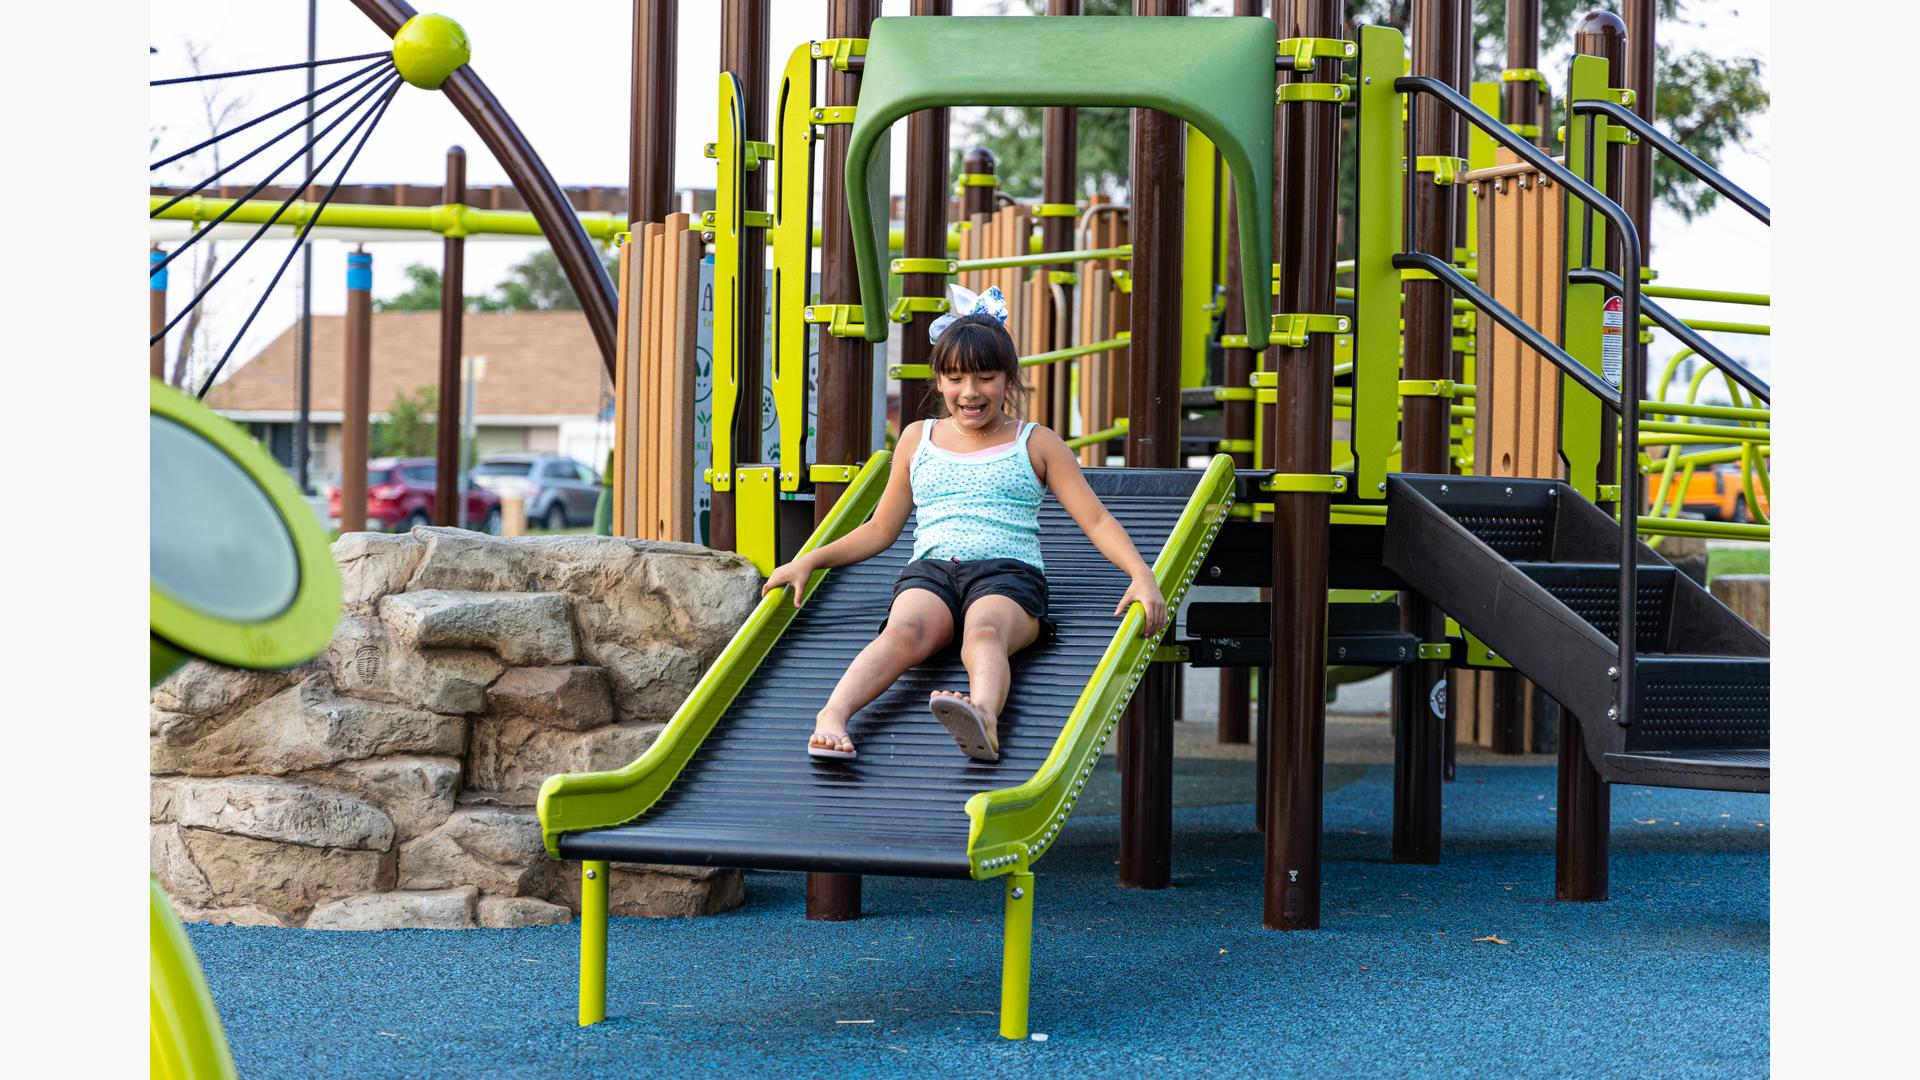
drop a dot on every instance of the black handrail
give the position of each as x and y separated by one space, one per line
1706 173
1687 334
1630 376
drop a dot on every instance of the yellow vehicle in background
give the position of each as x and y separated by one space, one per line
1718 495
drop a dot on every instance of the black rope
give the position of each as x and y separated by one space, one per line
195 148
377 112
268 179
262 230
261 71
255 152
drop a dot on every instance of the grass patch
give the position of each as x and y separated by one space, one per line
1738 560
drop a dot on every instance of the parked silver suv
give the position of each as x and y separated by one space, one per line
559 491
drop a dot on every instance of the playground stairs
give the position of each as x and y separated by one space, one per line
1532 569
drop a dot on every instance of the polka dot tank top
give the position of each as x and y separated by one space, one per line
976 506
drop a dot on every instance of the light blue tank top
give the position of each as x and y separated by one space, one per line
970 508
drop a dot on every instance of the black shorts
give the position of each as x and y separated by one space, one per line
961 583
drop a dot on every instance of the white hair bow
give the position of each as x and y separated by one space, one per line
962 301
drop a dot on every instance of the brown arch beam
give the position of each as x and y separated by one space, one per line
545 197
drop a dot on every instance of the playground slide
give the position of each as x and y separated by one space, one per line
729 782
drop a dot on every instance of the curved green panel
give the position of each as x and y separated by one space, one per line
183 1027
1216 74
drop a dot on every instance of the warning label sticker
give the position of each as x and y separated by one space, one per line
1612 338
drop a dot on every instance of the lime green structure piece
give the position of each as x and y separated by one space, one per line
1580 423
1016 958
753 500
428 48
729 214
791 237
1013 827
183 1027
447 219
594 875
1197 257
241 573
1376 283
578 801
1216 74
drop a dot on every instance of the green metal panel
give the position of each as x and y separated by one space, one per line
183 1026
1581 325
1197 258
729 222
1376 284
792 238
1014 826
754 496
576 801
1216 74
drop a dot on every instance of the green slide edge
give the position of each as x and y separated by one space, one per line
1013 827
575 802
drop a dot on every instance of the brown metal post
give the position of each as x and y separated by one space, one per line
355 400
1236 417
453 259
1585 801
1158 182
650 139
1419 751
1521 102
743 51
157 318
1300 433
1059 184
977 200
926 230
1635 186
845 427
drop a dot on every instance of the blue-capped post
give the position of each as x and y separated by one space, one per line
354 393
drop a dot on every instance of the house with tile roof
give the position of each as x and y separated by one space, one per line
542 389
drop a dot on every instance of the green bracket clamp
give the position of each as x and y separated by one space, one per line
1263 380
1440 388
904 307
756 152
1123 280
834 114
839 50
1525 131
924 266
841 320
910 371
1291 332
1444 169
1435 650
1627 97
1056 209
1232 393
1170 654
1528 75
1609 493
1290 93
755 219
1308 483
985 179
1302 52
1478 655
1235 446
1463 321
832 474
1063 277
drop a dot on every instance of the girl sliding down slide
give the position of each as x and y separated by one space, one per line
974 476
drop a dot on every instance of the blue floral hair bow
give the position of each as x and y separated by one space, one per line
962 301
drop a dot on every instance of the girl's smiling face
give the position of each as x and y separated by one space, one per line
975 399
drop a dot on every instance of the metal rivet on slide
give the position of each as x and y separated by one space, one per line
592 874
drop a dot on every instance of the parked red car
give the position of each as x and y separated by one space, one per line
400 496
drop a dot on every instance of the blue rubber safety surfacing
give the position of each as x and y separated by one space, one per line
1669 978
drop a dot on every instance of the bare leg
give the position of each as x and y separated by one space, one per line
918 625
997 627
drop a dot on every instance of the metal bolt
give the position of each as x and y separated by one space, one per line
1213 571
1293 875
1509 491
1343 652
1382 486
1018 892
592 874
1613 673
1368 80
1443 489
1349 48
1613 712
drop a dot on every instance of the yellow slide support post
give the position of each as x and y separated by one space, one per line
593 942
1016 959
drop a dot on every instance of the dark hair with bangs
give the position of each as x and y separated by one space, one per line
977 343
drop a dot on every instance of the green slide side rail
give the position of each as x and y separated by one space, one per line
1012 827
1216 74
573 802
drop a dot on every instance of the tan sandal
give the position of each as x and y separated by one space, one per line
964 722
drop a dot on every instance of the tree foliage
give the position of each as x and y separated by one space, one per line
535 283
1705 102
410 427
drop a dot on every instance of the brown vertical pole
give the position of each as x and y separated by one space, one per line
1236 423
1634 189
926 230
354 396
1584 800
1419 751
1300 430
976 201
453 258
650 139
743 51
1158 183
157 317
1521 101
845 426
1059 183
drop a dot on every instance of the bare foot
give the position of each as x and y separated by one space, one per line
975 729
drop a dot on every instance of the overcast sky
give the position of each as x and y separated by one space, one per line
566 79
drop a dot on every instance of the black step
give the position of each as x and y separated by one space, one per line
1713 770
1592 591
1701 703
